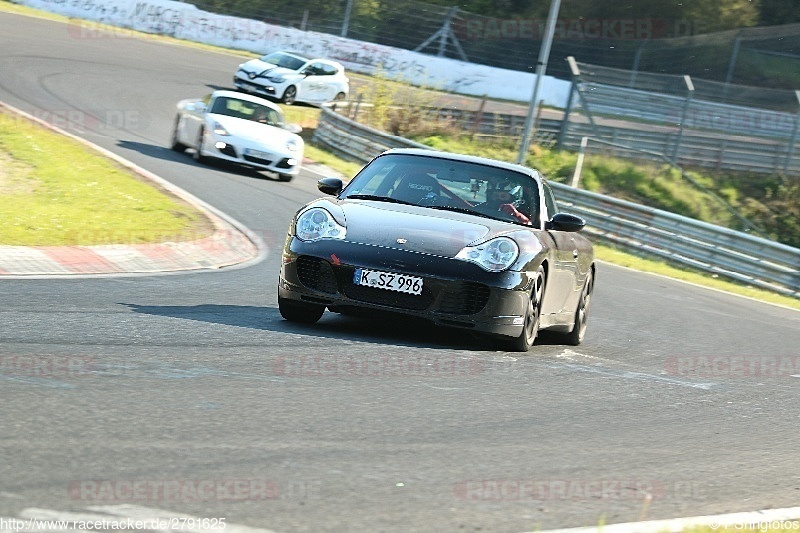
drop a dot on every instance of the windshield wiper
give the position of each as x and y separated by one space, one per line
378 198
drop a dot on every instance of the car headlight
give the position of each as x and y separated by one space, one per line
218 129
316 224
276 79
494 255
293 145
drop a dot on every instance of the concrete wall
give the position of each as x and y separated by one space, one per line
185 21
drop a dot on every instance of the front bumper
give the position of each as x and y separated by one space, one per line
247 153
455 293
267 89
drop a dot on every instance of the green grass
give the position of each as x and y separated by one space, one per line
56 191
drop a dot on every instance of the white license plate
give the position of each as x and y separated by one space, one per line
388 281
257 153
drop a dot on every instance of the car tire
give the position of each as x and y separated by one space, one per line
575 337
302 312
285 177
533 312
174 143
339 97
289 95
198 155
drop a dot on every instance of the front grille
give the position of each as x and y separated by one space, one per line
396 299
283 163
228 150
316 274
465 298
257 160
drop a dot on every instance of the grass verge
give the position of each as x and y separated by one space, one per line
56 191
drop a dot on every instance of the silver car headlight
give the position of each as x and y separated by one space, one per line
218 129
293 145
316 224
276 79
494 255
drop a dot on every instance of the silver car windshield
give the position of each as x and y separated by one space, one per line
234 107
448 184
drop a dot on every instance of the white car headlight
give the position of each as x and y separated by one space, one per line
316 224
219 129
494 255
293 145
276 79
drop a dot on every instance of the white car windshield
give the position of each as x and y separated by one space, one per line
284 60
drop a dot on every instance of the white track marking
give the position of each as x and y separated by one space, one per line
747 521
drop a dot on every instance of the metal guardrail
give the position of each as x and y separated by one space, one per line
694 148
733 254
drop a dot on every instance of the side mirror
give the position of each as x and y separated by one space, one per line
565 222
293 128
332 186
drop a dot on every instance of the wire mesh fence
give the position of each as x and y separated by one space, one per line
702 89
750 56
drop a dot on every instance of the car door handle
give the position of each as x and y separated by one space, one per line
574 254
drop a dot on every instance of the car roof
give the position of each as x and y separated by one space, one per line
467 158
247 98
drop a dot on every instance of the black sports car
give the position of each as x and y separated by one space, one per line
464 241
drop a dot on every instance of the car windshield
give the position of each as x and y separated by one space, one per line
233 107
437 183
285 60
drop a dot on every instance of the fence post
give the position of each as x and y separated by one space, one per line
732 63
793 140
686 104
562 131
346 23
637 57
576 176
476 123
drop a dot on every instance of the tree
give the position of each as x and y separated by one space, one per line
774 12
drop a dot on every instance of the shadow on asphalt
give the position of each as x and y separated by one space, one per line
380 328
167 154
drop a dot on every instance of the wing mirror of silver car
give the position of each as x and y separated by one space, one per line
565 222
332 186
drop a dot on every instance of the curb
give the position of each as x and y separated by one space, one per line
231 245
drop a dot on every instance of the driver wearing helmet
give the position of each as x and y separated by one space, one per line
502 200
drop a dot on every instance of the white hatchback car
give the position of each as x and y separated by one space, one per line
239 128
290 78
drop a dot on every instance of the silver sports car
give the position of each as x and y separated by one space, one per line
240 128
